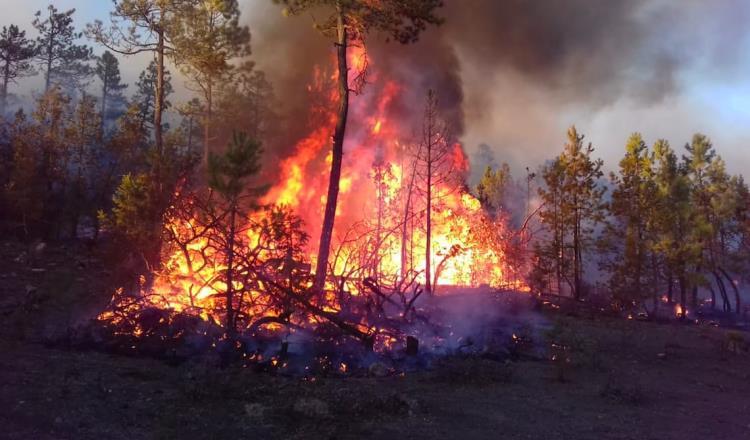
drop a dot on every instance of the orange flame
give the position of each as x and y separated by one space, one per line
375 177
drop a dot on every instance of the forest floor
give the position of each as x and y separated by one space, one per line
626 380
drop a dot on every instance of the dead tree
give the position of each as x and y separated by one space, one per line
437 171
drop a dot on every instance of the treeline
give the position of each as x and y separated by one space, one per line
87 155
662 228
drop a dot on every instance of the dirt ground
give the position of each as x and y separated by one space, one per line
620 379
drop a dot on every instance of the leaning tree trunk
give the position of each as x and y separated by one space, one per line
737 298
726 306
326 234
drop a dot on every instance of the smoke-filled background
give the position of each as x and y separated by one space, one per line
513 74
519 72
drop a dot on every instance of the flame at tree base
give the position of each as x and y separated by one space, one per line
377 265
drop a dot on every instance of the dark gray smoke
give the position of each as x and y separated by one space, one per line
514 73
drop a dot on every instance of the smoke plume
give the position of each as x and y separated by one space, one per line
514 73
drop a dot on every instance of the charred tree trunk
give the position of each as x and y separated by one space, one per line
670 288
159 102
576 256
683 297
428 231
326 234
230 317
105 92
655 280
405 228
48 62
723 291
737 298
4 91
694 292
207 122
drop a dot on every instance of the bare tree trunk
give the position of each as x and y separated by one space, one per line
4 91
670 287
48 73
159 104
683 296
737 299
407 213
723 291
428 231
105 92
208 121
694 292
576 254
326 234
230 319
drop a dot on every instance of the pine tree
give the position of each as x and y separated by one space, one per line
138 26
437 173
16 54
492 189
228 176
84 141
60 58
348 23
207 36
572 207
629 235
145 94
112 99
247 103
674 221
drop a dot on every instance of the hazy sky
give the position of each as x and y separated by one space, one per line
523 116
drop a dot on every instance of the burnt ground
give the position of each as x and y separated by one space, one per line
621 380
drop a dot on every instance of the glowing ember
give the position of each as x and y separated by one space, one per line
678 311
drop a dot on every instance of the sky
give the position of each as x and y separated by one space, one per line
664 68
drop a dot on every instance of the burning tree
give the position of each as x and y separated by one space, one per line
349 23
227 176
437 167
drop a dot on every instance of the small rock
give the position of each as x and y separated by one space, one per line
58 420
661 356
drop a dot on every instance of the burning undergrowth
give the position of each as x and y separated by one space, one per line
485 324
236 280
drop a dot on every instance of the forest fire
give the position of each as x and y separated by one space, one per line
378 259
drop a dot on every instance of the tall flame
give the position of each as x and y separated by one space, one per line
369 219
